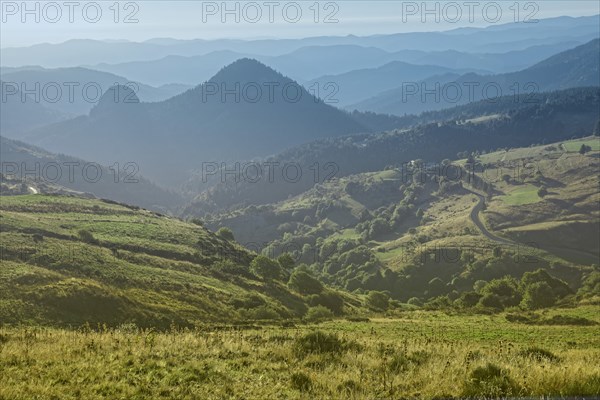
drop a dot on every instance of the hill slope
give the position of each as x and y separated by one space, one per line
21 113
39 169
81 100
245 110
572 68
68 261
481 126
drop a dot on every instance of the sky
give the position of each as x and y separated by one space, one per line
28 23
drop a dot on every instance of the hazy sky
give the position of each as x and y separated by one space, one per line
58 21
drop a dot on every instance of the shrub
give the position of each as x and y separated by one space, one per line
286 261
261 313
468 299
401 362
330 299
491 301
300 381
304 283
378 300
318 313
489 381
87 237
415 301
505 289
248 301
265 268
538 295
226 233
318 343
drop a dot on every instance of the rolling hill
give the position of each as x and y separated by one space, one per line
21 112
434 136
577 67
88 87
264 110
68 261
42 171
353 86
399 228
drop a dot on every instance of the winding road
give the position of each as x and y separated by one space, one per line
577 254
475 218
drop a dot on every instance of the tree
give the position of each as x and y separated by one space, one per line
542 191
286 261
378 300
584 149
538 295
304 283
506 289
265 268
436 287
225 233
330 299
318 313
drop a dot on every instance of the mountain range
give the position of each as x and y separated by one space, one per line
572 68
246 102
494 39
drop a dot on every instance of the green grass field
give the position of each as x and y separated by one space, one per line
414 354
575 145
522 195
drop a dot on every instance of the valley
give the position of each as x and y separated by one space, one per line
248 211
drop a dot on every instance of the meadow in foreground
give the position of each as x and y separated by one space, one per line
415 354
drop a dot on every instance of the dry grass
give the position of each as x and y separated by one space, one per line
418 356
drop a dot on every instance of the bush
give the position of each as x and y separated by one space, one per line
318 343
490 382
538 295
226 233
265 268
506 290
286 261
304 283
378 300
415 301
330 299
491 301
248 301
261 313
300 381
87 237
318 313
468 299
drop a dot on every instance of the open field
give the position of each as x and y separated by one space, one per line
527 194
417 354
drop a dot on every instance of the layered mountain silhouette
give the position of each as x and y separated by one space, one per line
40 168
494 39
246 110
20 112
576 67
354 86
75 91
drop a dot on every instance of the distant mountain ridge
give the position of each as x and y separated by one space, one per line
74 91
576 67
246 110
121 182
492 39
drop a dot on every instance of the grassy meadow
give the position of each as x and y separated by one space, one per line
413 354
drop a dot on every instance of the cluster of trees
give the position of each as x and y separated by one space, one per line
536 289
